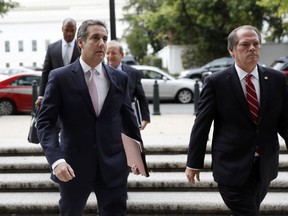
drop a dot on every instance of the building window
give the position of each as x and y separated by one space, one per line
47 42
7 46
20 46
34 45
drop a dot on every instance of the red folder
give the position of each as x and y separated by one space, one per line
135 154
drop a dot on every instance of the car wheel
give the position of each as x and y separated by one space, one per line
7 107
184 96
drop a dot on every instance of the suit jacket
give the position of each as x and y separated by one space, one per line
91 145
136 90
235 136
53 59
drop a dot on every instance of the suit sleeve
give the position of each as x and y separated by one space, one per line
201 127
47 121
283 126
140 95
129 122
45 73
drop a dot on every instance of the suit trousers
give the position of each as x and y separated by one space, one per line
245 200
110 201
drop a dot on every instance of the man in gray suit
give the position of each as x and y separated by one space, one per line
248 104
59 54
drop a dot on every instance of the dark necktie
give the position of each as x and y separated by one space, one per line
252 99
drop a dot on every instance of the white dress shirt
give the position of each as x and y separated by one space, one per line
64 47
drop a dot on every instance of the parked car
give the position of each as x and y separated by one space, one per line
15 70
16 93
215 65
130 60
170 88
281 64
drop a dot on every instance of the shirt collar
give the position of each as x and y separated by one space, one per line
242 74
119 67
65 43
86 67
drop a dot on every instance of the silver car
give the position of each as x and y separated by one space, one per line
170 88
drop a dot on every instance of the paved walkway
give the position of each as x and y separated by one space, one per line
163 129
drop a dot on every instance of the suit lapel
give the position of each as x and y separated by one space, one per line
238 91
264 89
80 82
112 79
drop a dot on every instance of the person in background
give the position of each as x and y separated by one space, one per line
91 100
248 104
59 54
114 56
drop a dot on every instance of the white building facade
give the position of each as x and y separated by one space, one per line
26 31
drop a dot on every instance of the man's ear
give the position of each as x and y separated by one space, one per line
79 41
231 53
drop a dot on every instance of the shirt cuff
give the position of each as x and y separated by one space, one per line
40 97
56 163
191 168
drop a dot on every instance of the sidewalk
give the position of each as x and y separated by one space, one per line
167 129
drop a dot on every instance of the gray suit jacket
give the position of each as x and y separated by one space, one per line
53 60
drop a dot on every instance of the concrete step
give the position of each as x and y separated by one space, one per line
158 181
175 162
13 148
153 203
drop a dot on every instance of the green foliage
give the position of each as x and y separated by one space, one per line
202 25
5 6
276 16
152 60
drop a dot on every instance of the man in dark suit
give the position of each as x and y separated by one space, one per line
89 156
59 53
115 54
245 147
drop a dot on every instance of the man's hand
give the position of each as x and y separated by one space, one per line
38 102
134 169
191 174
64 172
144 123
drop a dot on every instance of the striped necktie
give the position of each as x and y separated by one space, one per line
251 97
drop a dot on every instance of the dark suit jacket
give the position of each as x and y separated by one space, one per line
53 60
235 135
136 90
91 145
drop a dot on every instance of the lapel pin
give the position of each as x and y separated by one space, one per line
266 78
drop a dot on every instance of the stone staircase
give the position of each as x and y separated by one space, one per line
26 188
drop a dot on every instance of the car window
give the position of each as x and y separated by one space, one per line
147 74
220 63
277 65
25 81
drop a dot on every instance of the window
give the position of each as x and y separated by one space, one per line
47 42
20 46
26 81
34 45
7 46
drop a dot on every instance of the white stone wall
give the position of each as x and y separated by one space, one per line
42 21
